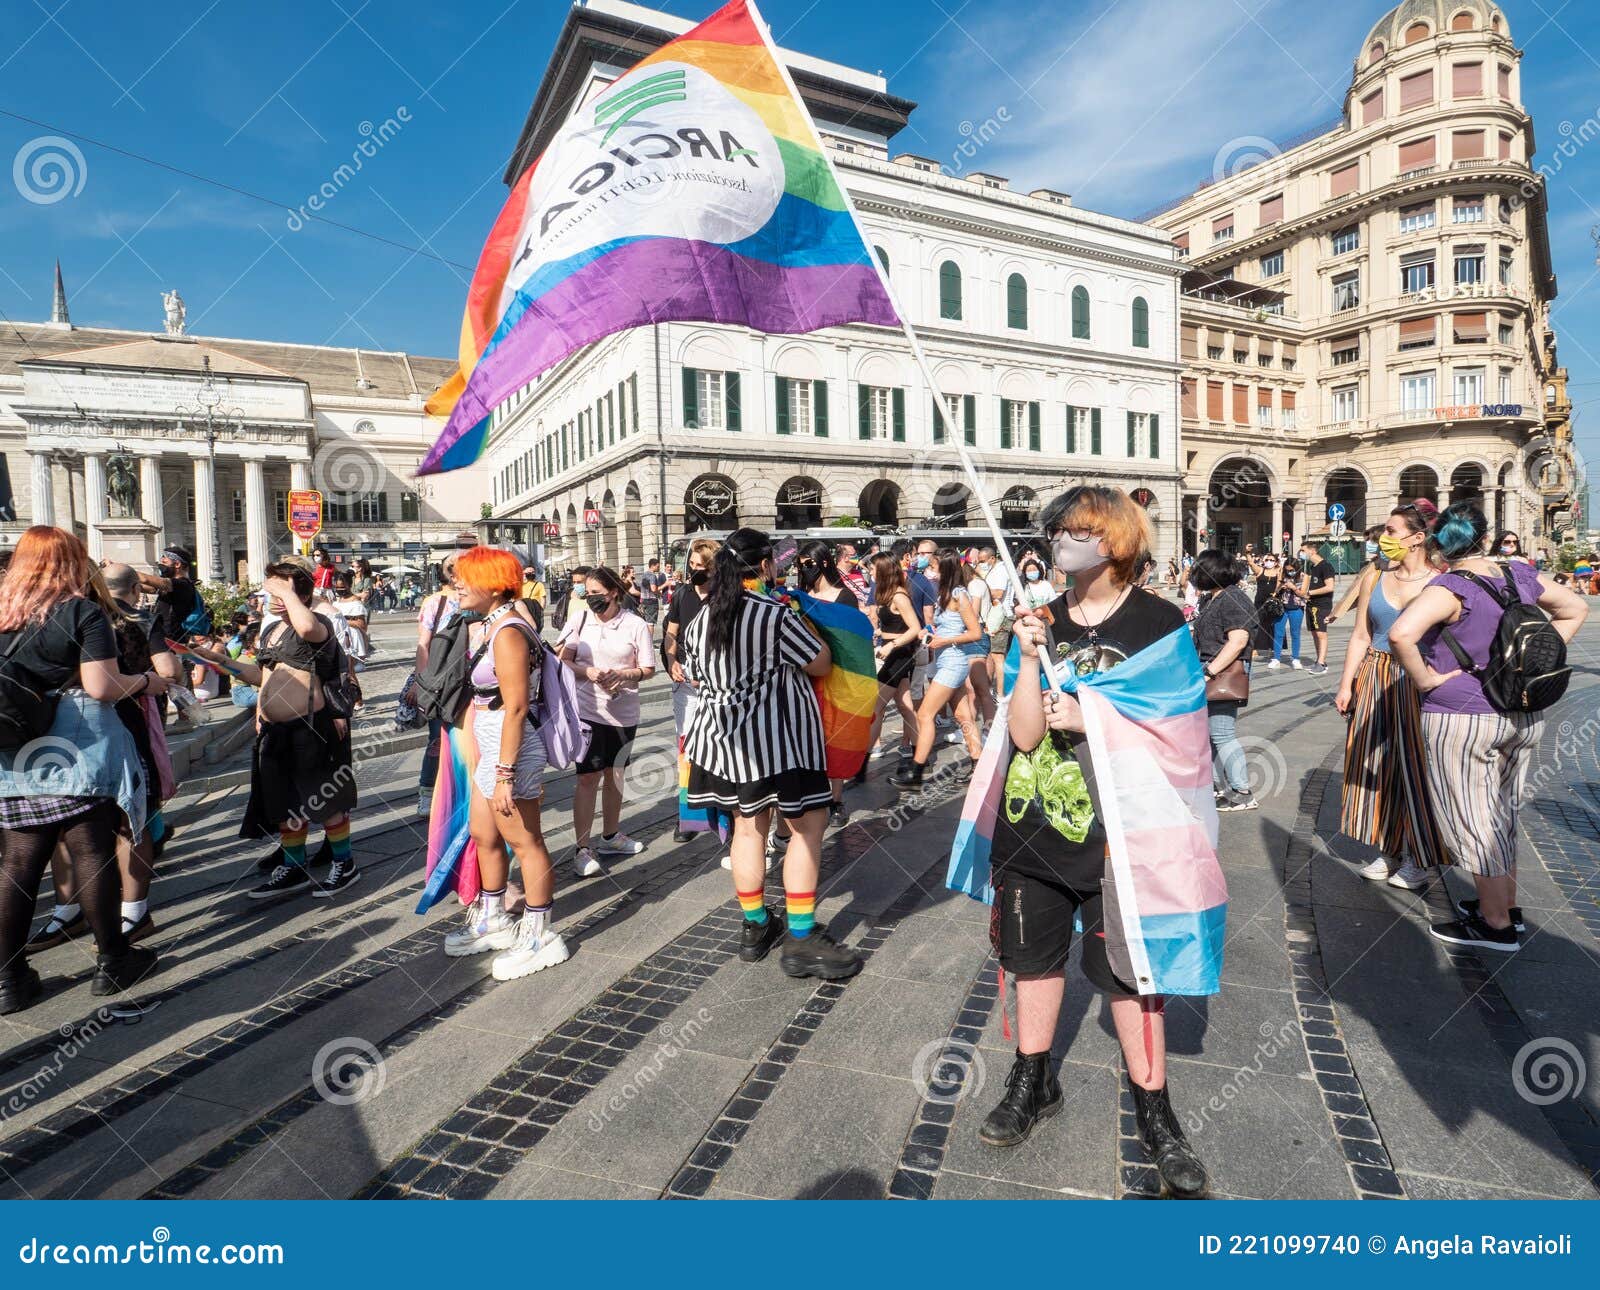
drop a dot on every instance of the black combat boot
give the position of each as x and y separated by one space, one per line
1181 1171
1033 1093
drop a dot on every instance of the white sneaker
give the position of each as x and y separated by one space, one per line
481 932
585 865
530 953
881 751
727 861
955 737
1272 666
1295 663
619 844
424 802
1379 870
1410 876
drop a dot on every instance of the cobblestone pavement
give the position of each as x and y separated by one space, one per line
329 1049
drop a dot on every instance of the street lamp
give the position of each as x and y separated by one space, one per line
423 490
207 407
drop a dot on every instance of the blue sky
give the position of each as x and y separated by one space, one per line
1122 105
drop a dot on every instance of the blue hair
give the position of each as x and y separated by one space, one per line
1460 530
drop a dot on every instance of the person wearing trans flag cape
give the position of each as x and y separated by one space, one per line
1091 811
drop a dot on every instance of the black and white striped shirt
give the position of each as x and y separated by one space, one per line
755 713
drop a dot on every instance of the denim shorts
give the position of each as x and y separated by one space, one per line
952 663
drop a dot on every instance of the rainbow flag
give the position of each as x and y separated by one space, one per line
848 694
452 854
693 188
1150 750
691 819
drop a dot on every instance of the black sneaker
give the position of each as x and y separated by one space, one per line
908 776
1470 909
818 955
860 777
757 939
1033 1093
113 975
324 854
836 814
286 880
341 875
1181 1172
55 933
274 859
1245 801
19 988
1472 930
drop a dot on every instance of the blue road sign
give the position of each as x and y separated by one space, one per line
1336 511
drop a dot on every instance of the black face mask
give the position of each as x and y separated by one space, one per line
598 604
699 577
809 574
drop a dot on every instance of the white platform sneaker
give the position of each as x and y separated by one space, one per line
532 952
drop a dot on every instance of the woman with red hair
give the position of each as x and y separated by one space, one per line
69 772
504 809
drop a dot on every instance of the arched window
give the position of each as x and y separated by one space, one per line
1417 31
1375 54
950 290
1463 22
1141 323
883 259
1017 302
1080 313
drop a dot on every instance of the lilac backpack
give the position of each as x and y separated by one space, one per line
565 734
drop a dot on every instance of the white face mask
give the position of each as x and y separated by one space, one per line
1074 555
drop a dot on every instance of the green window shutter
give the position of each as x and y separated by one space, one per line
864 411
1017 302
1094 431
938 421
950 290
1141 323
1072 429
969 416
1155 435
633 399
691 398
780 385
730 381
1080 313
819 409
1005 423
1033 427
1133 432
898 410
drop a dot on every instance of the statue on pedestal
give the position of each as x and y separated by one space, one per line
122 485
172 302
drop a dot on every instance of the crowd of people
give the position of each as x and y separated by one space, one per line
1435 752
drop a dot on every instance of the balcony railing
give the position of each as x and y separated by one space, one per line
1417 172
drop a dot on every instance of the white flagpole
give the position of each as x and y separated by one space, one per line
952 435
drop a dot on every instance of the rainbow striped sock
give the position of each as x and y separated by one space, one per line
802 910
755 909
293 842
339 840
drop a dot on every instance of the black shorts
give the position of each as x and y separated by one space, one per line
1036 918
606 747
1317 610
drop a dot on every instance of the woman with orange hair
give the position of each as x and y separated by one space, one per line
69 771
504 810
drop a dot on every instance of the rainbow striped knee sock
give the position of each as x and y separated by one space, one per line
339 840
802 911
293 842
755 909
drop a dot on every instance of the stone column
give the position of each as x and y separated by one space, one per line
207 544
255 519
1202 521
151 502
42 483
299 475
94 496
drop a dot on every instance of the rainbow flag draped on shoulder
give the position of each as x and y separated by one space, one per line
1145 722
692 189
848 694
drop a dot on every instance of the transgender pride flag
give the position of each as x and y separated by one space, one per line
1145 720
694 188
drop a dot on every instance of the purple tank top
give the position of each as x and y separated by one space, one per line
1474 632
483 674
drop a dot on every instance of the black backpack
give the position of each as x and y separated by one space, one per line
27 709
1526 670
443 689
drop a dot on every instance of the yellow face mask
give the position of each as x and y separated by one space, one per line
1392 547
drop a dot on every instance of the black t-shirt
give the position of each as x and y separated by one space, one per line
1226 611
1322 575
75 631
1031 846
844 596
684 609
174 606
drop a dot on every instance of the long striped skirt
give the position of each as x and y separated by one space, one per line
1477 763
1387 803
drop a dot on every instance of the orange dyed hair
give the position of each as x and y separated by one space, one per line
49 565
1111 513
488 568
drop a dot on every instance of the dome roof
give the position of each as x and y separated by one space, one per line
1391 28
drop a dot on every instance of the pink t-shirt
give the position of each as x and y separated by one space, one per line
624 642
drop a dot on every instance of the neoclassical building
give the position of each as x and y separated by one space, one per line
1366 316
135 439
1051 331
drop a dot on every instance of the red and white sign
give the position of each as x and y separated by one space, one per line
552 529
305 513
591 517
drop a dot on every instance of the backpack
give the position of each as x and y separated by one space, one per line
27 709
555 712
442 689
1526 670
